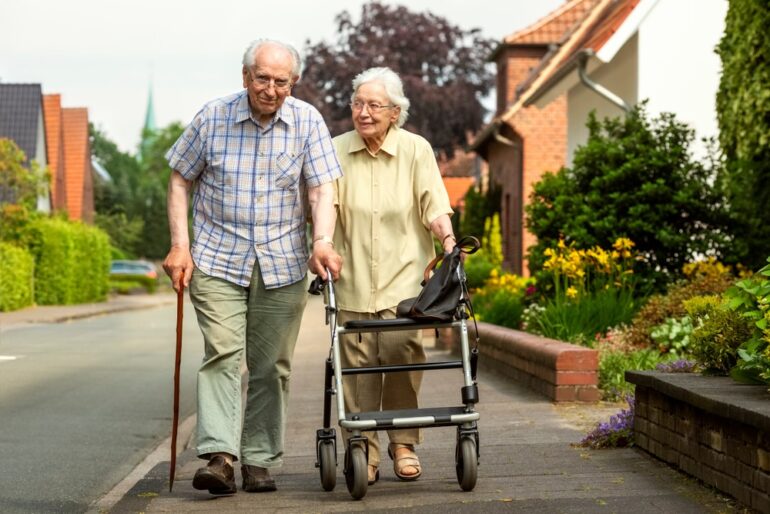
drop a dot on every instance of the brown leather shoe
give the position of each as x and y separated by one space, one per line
256 479
218 477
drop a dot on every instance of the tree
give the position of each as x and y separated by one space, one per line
743 113
156 239
19 183
132 208
633 178
443 68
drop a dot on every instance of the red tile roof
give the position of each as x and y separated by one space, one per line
77 159
52 115
553 27
594 37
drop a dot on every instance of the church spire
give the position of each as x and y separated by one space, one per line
148 131
149 117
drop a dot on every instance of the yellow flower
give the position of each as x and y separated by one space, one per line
623 243
571 292
561 244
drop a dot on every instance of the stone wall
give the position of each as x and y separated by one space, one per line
709 427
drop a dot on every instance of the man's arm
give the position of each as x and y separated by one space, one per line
178 263
321 200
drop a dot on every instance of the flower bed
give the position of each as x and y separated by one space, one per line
709 427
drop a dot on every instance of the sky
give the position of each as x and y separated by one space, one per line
106 54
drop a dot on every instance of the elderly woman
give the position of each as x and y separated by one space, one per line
390 202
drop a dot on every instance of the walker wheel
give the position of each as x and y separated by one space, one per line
327 463
466 463
356 475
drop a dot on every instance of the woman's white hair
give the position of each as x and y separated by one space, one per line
251 50
393 87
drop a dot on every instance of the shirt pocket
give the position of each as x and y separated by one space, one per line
288 168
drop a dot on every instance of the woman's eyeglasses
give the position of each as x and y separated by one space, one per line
373 107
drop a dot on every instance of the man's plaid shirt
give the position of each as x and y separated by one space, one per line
249 199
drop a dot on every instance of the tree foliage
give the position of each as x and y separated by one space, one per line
443 68
743 113
20 182
132 208
633 178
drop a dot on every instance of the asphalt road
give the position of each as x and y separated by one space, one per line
84 402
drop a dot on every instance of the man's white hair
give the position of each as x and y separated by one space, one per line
251 50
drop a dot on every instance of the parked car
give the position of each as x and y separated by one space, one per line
141 268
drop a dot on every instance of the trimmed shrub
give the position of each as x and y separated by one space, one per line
17 269
71 261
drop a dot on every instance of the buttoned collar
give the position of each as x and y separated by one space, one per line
389 146
285 113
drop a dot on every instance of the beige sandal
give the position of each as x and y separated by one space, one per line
406 459
374 474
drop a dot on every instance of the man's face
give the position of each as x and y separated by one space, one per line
269 81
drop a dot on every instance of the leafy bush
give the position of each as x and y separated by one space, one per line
20 182
501 300
751 298
743 113
701 278
673 336
633 178
613 364
719 333
480 265
16 277
71 261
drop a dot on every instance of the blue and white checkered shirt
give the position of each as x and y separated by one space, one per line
249 199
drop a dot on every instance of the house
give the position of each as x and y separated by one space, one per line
55 150
21 120
56 138
77 164
610 55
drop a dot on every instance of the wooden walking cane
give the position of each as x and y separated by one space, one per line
177 362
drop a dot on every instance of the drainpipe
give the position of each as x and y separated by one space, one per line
598 88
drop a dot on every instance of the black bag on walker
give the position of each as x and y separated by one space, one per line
441 293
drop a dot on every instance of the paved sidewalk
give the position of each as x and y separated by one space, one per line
62 313
528 461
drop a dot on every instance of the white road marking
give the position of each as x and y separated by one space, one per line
4 358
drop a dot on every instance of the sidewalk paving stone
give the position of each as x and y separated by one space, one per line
528 459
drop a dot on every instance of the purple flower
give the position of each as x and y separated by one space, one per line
615 433
677 366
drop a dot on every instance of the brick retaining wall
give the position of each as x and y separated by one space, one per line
709 427
561 371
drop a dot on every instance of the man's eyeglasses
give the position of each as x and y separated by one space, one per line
374 107
264 81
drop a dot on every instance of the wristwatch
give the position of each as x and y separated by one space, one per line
324 239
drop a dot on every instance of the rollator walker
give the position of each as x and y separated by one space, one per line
464 417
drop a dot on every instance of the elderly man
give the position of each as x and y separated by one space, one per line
251 158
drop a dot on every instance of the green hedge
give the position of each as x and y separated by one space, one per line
17 268
71 261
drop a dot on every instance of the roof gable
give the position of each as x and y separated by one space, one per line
553 27
20 106
52 117
77 159
609 21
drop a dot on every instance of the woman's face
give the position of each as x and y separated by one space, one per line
372 111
